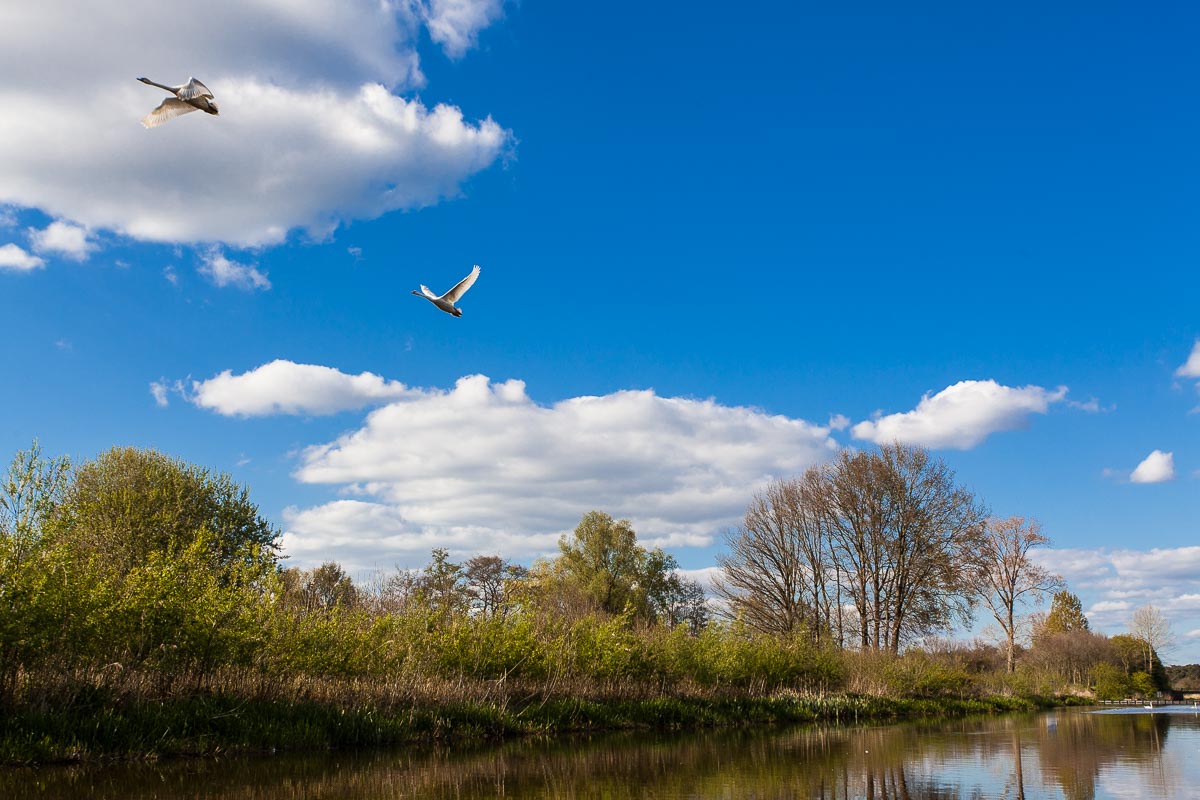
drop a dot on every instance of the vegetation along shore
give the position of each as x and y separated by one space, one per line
145 610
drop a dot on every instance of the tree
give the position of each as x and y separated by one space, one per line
1066 615
488 578
773 573
129 502
1007 573
1150 626
29 493
602 558
901 534
603 563
321 589
441 585
672 599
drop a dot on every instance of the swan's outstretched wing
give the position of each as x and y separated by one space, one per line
168 109
427 293
461 289
193 89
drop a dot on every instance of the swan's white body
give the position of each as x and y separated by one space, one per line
446 302
191 96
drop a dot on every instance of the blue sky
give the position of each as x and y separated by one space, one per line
716 244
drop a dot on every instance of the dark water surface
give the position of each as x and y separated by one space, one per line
1063 754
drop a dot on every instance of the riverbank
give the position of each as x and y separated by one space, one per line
101 724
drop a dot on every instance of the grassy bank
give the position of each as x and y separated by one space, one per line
87 722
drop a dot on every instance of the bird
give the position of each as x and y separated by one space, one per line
446 302
189 97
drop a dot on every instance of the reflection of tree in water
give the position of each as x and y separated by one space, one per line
1075 750
1009 757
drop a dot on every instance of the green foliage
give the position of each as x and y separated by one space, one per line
1066 615
916 674
1143 683
129 503
603 560
1111 682
142 574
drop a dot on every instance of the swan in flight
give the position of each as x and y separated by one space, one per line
192 96
446 302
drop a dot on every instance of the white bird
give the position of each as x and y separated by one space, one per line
192 96
446 302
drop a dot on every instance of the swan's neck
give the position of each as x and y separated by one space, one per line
159 85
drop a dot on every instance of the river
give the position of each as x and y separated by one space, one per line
1073 754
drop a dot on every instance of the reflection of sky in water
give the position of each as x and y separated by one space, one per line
1068 755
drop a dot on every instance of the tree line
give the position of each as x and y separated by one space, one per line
136 563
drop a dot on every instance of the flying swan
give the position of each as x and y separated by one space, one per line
446 302
192 96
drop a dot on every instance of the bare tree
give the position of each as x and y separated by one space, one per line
1007 573
763 578
903 535
888 532
1150 626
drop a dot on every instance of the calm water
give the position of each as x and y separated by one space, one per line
1067 754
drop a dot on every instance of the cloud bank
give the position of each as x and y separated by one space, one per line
1113 583
311 133
483 467
961 416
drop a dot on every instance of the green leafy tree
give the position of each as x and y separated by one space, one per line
33 589
1110 682
602 559
1066 615
129 502
442 587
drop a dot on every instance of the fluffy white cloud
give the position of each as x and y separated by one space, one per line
483 468
1155 468
15 259
309 134
455 24
961 416
62 238
285 387
223 272
1191 367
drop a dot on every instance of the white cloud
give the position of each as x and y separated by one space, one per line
1109 606
62 238
285 387
1155 468
1191 367
310 134
223 272
158 389
1193 634
15 259
455 24
483 468
961 416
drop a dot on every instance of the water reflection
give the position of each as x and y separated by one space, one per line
1071 755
